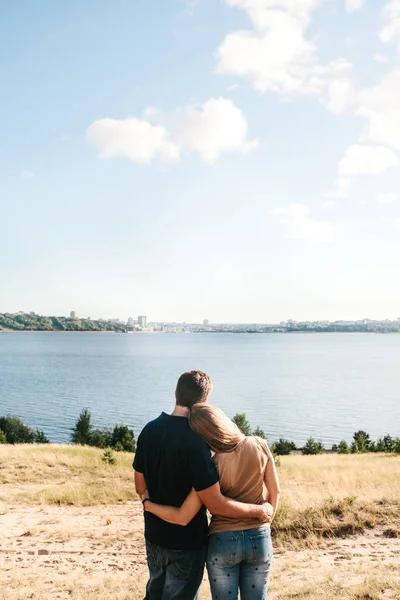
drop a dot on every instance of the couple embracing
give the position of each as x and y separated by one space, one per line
178 480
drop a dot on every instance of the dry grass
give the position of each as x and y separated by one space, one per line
336 535
64 475
336 495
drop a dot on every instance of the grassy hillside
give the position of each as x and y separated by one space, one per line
72 527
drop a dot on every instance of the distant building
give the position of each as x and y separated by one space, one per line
73 314
206 322
130 322
142 322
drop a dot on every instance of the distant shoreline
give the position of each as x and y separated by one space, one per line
295 332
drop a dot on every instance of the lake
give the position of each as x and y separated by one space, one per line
291 385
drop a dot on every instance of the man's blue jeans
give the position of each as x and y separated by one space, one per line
240 560
174 574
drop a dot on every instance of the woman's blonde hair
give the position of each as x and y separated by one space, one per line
211 424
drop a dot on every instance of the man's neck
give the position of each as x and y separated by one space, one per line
180 411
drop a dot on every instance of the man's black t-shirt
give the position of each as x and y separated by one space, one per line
174 460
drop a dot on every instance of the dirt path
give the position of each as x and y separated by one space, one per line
68 552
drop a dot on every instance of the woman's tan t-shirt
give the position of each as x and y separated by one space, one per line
241 475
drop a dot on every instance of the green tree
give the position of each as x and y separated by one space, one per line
283 447
16 431
361 442
40 437
100 438
123 438
3 439
82 430
258 432
241 421
343 447
396 445
312 447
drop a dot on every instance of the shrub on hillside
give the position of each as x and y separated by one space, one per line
123 438
283 447
312 447
109 457
361 442
16 432
82 428
258 432
3 439
241 421
343 447
120 438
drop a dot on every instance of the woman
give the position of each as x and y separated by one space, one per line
240 551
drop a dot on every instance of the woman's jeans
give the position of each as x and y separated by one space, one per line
240 560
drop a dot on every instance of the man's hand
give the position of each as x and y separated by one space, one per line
266 512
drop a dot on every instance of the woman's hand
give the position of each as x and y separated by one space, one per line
267 512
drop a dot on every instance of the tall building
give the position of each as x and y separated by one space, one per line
73 314
142 322
206 322
130 322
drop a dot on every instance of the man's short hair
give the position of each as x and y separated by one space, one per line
193 387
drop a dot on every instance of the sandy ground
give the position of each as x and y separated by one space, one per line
69 552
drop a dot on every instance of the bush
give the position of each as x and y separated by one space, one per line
100 438
343 447
123 438
312 447
16 431
3 439
361 442
396 445
241 421
109 457
258 432
120 438
283 447
40 437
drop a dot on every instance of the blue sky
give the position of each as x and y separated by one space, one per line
236 160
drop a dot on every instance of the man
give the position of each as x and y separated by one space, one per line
171 460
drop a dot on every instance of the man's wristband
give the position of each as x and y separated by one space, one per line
144 500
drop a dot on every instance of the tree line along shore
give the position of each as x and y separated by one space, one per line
122 438
34 322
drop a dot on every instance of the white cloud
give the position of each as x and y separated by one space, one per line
362 160
132 138
354 5
329 204
380 105
341 189
387 198
276 54
340 95
380 58
27 174
189 6
217 127
391 30
300 226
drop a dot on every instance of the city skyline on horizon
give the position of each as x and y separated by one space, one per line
238 160
204 321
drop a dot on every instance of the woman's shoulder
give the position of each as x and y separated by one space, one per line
258 443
